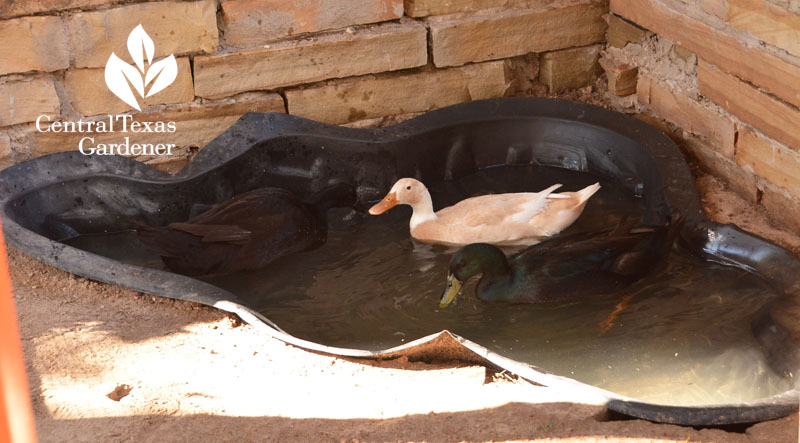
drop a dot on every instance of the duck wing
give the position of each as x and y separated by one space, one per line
235 220
260 201
563 259
164 241
496 209
572 271
248 231
535 205
214 233
581 265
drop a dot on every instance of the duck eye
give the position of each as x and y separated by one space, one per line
408 187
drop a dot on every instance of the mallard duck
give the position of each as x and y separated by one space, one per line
523 218
562 269
246 232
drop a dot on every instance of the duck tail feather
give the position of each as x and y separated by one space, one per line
548 191
163 241
585 193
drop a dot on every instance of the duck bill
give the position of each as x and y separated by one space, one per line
451 291
388 202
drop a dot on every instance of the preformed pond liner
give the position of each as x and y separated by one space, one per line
680 336
59 196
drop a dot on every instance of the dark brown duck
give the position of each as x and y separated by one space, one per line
246 232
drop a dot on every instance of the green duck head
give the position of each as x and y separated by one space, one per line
470 261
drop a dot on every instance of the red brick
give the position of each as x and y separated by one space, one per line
502 33
770 23
622 78
253 21
742 182
688 114
26 100
16 8
772 161
90 96
360 99
383 48
175 28
33 44
782 207
569 68
620 32
422 8
767 114
751 64
669 129
717 8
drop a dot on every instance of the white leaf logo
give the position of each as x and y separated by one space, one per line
121 76
138 40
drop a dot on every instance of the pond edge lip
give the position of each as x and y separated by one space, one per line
184 288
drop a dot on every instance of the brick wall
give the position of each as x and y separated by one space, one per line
727 74
336 61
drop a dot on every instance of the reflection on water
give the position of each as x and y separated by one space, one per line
682 338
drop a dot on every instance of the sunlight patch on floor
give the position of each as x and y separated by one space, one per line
219 369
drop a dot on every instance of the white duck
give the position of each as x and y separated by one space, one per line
524 218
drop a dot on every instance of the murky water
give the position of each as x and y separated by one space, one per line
682 338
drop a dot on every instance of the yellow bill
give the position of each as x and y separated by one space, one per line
451 291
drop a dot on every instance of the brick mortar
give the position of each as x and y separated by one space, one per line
18 134
67 110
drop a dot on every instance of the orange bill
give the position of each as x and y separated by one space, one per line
388 202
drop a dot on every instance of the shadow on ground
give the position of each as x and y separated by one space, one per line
513 421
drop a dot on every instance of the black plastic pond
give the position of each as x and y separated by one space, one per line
702 342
